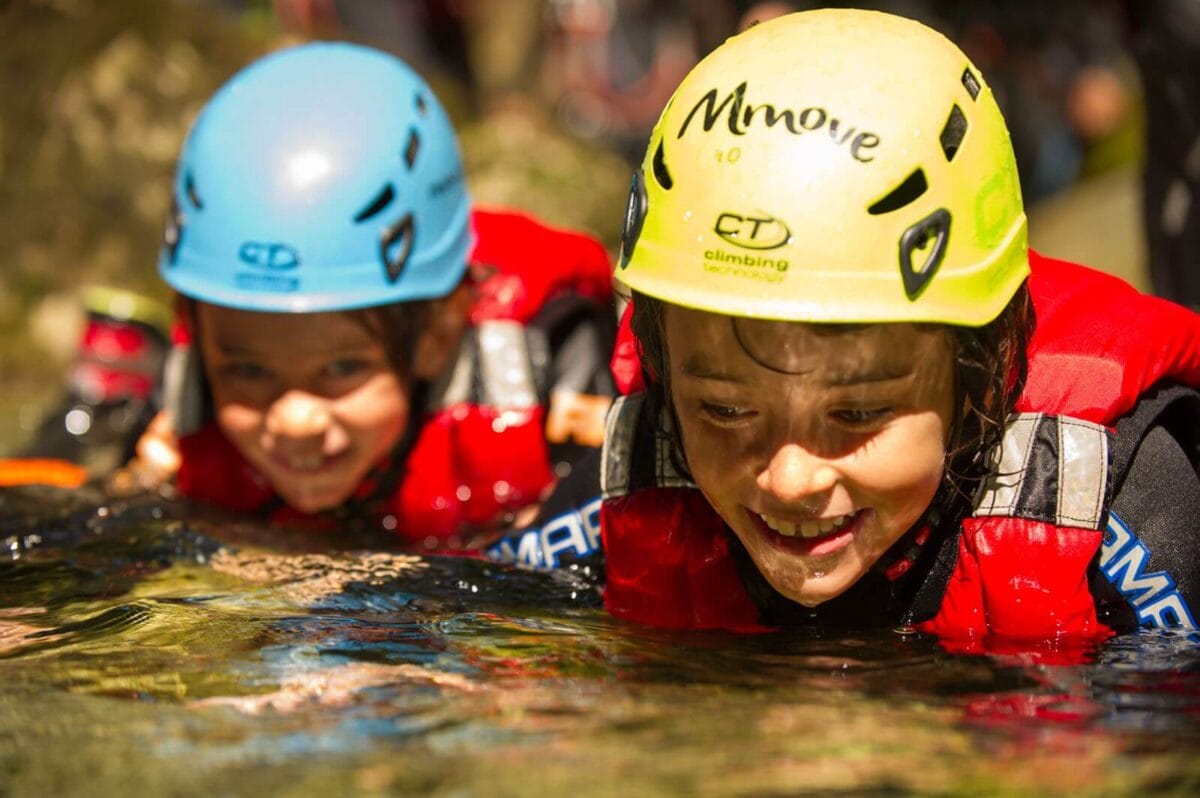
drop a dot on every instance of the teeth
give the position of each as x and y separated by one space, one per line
806 529
829 524
305 463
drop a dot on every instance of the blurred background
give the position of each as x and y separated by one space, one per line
554 100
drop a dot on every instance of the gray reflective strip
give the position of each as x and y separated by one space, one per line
1001 490
1068 457
617 452
505 366
183 389
616 458
455 385
1082 473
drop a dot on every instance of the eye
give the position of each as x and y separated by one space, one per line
244 370
725 413
862 417
346 367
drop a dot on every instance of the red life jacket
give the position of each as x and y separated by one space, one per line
480 451
1022 565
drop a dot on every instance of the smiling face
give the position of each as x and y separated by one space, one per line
822 461
311 400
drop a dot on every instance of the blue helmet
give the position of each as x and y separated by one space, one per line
322 177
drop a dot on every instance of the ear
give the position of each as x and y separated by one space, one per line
447 319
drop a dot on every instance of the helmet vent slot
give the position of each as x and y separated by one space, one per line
381 201
971 83
422 106
189 188
173 232
907 192
412 148
660 168
936 228
954 132
396 245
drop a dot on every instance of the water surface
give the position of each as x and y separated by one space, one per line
145 649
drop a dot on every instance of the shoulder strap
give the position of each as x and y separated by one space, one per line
635 454
1050 468
495 366
1170 405
1053 469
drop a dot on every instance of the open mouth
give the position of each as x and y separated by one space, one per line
817 536
306 464
805 529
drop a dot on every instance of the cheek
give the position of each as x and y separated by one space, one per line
379 406
236 419
907 467
712 456
239 409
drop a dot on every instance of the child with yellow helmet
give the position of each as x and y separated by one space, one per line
855 396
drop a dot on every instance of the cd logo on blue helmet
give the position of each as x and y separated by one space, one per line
272 257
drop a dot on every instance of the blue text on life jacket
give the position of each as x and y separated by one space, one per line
1153 596
569 537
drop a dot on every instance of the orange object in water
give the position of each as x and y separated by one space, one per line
60 473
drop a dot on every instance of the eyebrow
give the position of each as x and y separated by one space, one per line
698 368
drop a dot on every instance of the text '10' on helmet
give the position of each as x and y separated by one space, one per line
322 177
830 166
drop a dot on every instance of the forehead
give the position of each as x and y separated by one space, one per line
286 334
706 344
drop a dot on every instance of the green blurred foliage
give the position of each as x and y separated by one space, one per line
95 100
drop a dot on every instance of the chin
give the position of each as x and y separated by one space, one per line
807 584
312 508
805 595
315 502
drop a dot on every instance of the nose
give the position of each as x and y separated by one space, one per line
796 475
298 415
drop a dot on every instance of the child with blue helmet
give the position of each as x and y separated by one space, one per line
354 339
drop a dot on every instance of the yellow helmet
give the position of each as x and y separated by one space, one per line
830 166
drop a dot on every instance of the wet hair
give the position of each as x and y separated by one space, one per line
398 327
990 368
